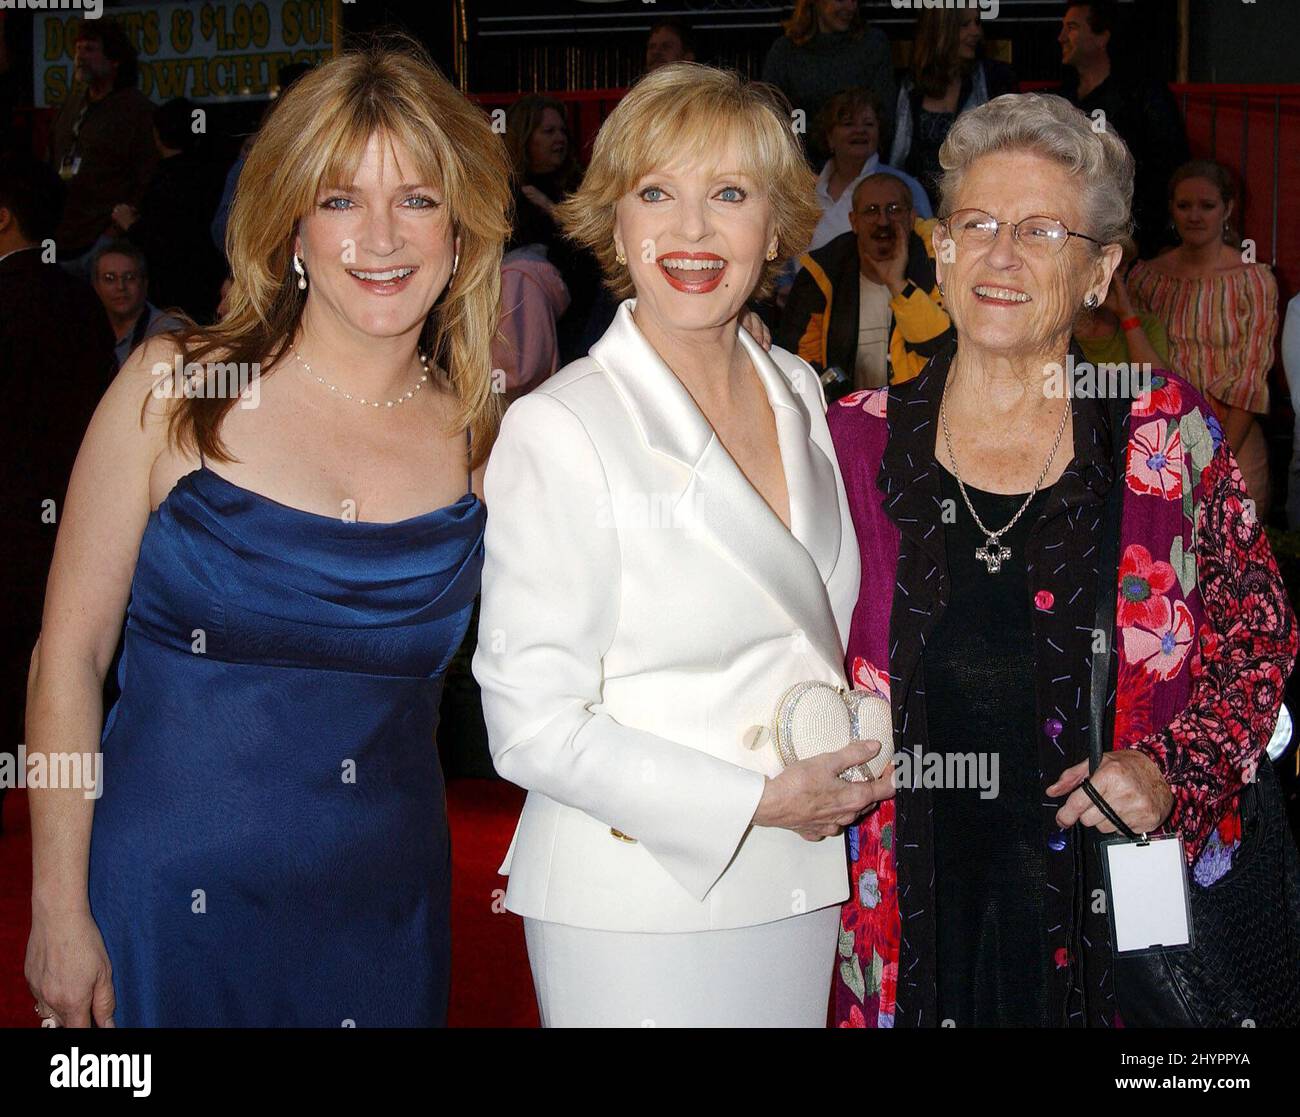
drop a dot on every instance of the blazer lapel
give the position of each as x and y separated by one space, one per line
809 475
718 503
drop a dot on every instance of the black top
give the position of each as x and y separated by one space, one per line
576 265
990 858
1145 115
1061 561
174 233
929 130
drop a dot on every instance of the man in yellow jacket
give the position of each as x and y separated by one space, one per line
867 303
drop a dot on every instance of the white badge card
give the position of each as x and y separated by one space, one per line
1147 886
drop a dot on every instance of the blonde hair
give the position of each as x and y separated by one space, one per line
316 137
688 111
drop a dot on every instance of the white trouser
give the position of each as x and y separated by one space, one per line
772 975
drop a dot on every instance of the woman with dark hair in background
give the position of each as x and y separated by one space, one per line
1219 310
828 46
947 78
547 171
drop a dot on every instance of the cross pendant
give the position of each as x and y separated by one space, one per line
993 554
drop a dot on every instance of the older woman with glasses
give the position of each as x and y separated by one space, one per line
984 489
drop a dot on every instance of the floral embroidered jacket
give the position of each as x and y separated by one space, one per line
1204 635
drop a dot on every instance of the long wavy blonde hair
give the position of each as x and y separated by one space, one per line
316 137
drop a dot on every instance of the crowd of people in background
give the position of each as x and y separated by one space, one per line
143 210
862 305
143 217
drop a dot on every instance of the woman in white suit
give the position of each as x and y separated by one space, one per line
669 550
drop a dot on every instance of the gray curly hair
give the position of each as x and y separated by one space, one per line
1047 125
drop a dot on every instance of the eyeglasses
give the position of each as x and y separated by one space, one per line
893 209
111 277
1036 236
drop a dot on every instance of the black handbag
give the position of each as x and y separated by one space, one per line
1244 967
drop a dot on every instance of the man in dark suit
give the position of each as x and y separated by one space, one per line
56 359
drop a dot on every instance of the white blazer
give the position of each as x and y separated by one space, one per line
642 608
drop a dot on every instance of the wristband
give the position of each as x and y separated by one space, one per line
1134 323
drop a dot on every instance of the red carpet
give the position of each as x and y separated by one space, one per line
490 985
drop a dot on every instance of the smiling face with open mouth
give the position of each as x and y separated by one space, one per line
855 137
1002 296
695 235
378 251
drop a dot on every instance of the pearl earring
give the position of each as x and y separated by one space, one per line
302 275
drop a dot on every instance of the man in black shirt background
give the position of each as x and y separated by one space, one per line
1137 106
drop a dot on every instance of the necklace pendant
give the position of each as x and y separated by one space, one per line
993 554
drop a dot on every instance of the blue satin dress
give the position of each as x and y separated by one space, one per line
271 847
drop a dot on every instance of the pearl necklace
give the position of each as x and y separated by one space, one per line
424 376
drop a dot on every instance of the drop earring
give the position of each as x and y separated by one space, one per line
302 274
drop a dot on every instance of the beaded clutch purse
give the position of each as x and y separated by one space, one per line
813 718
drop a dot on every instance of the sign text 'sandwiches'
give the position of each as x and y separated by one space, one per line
209 52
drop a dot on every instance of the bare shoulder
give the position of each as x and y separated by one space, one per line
132 425
1165 264
142 395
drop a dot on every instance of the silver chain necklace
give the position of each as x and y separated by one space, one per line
424 376
993 554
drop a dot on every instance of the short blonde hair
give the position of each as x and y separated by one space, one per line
1047 125
686 111
317 136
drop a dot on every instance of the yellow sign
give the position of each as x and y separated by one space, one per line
215 51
